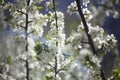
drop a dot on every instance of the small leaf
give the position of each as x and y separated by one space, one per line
37 57
49 70
71 58
9 59
48 77
117 71
1 1
48 14
7 18
118 77
39 7
38 48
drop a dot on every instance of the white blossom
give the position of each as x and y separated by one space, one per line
72 7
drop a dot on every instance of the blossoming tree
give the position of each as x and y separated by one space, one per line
53 56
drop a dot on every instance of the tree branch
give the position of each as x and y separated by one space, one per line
54 9
86 27
26 38
27 69
55 68
88 35
102 74
21 12
56 64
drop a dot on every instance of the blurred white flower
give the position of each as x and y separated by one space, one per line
72 8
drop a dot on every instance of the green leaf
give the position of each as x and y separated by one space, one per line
38 48
118 10
9 59
71 58
118 77
2 1
117 71
49 70
48 77
39 8
48 14
8 18
37 57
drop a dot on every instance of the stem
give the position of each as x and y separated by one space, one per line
28 2
56 64
26 32
86 27
27 69
102 74
54 9
73 75
55 67
26 38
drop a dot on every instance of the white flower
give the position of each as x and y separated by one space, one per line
49 4
85 52
85 2
72 7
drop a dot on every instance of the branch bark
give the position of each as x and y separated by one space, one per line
26 38
56 60
86 27
27 69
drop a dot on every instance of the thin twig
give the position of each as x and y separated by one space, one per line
54 8
84 42
56 64
27 69
26 31
21 12
100 49
102 74
73 75
26 38
63 68
55 68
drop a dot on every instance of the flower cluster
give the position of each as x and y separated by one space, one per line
56 35
49 4
86 2
72 8
102 41
38 22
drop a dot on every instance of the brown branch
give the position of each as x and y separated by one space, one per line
54 9
102 74
100 49
21 26
26 31
84 42
86 27
73 75
63 68
56 64
55 68
26 38
28 2
27 69
21 12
